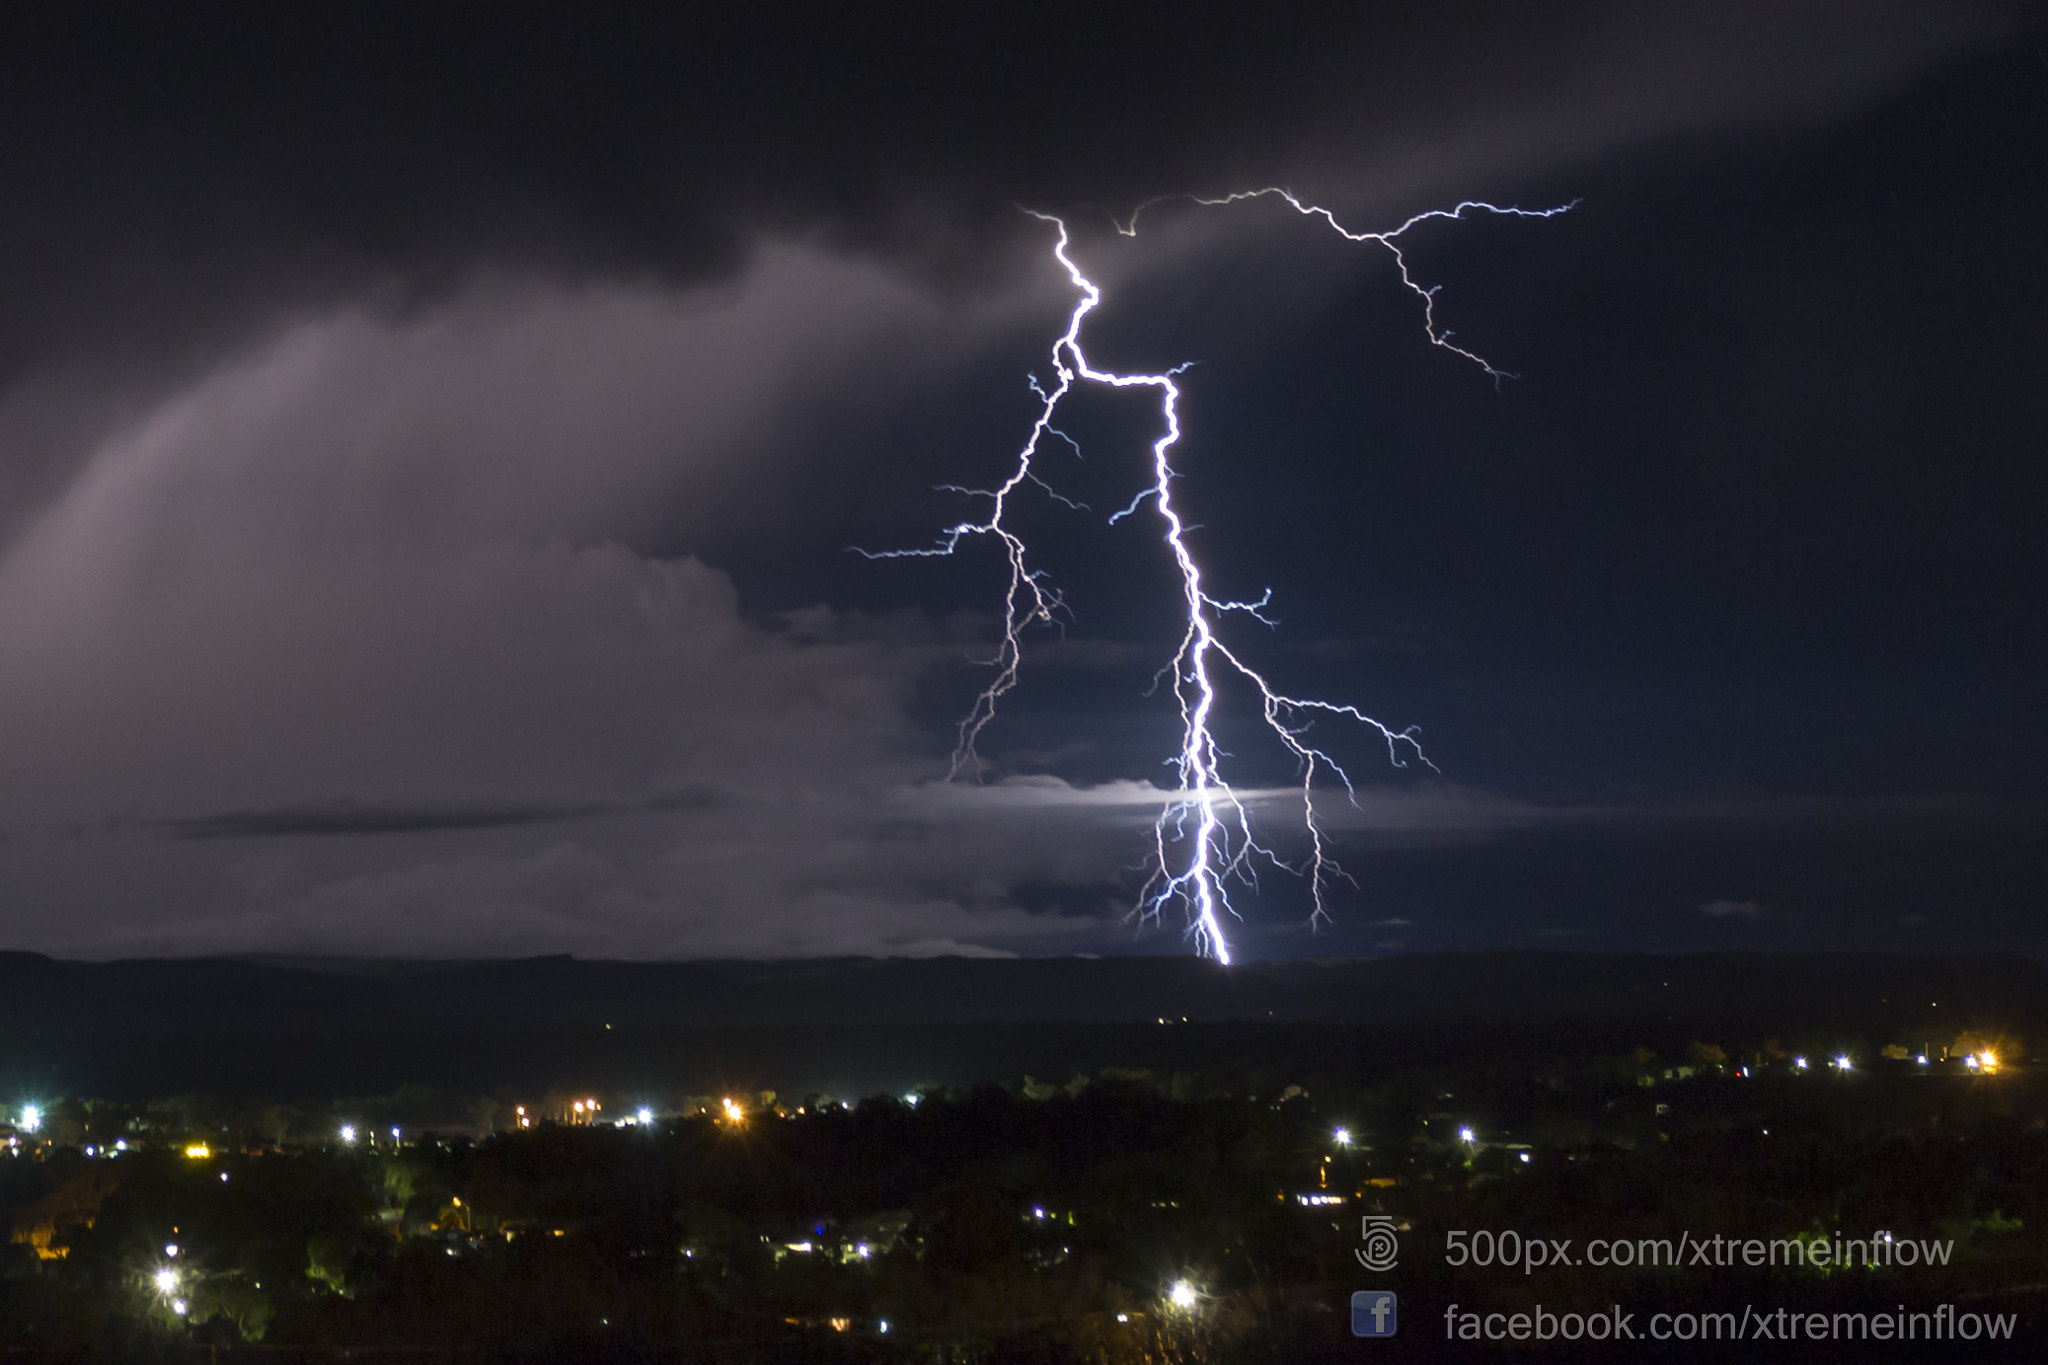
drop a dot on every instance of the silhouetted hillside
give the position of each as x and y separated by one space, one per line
153 1027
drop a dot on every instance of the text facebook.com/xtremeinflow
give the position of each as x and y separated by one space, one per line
1943 1322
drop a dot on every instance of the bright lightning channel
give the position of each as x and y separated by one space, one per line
1194 866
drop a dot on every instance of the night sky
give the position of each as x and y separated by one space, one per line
431 438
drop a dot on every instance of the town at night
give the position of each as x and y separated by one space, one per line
1023 684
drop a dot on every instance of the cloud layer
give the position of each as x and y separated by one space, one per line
382 396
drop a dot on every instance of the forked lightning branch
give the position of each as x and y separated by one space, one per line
1204 841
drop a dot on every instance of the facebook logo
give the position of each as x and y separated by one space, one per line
1372 1313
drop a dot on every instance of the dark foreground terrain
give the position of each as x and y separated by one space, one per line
1576 1157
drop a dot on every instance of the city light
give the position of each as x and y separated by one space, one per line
348 1134
1970 1060
1842 1063
1342 1137
1799 1062
178 1307
1182 1295
1465 1135
733 1113
643 1116
31 1118
198 1151
171 1250
1989 1059
166 1280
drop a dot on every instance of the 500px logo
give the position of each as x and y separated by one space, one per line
1381 1247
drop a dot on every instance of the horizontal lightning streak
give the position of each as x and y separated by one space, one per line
1220 848
1437 337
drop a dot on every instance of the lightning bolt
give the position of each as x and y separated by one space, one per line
1203 839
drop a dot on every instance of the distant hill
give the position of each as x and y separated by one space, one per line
152 1027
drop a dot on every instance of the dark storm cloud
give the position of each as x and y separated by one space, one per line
167 165
182 180
377 382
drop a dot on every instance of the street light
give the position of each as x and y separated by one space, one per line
1182 1295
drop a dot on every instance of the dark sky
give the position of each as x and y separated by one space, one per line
430 440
